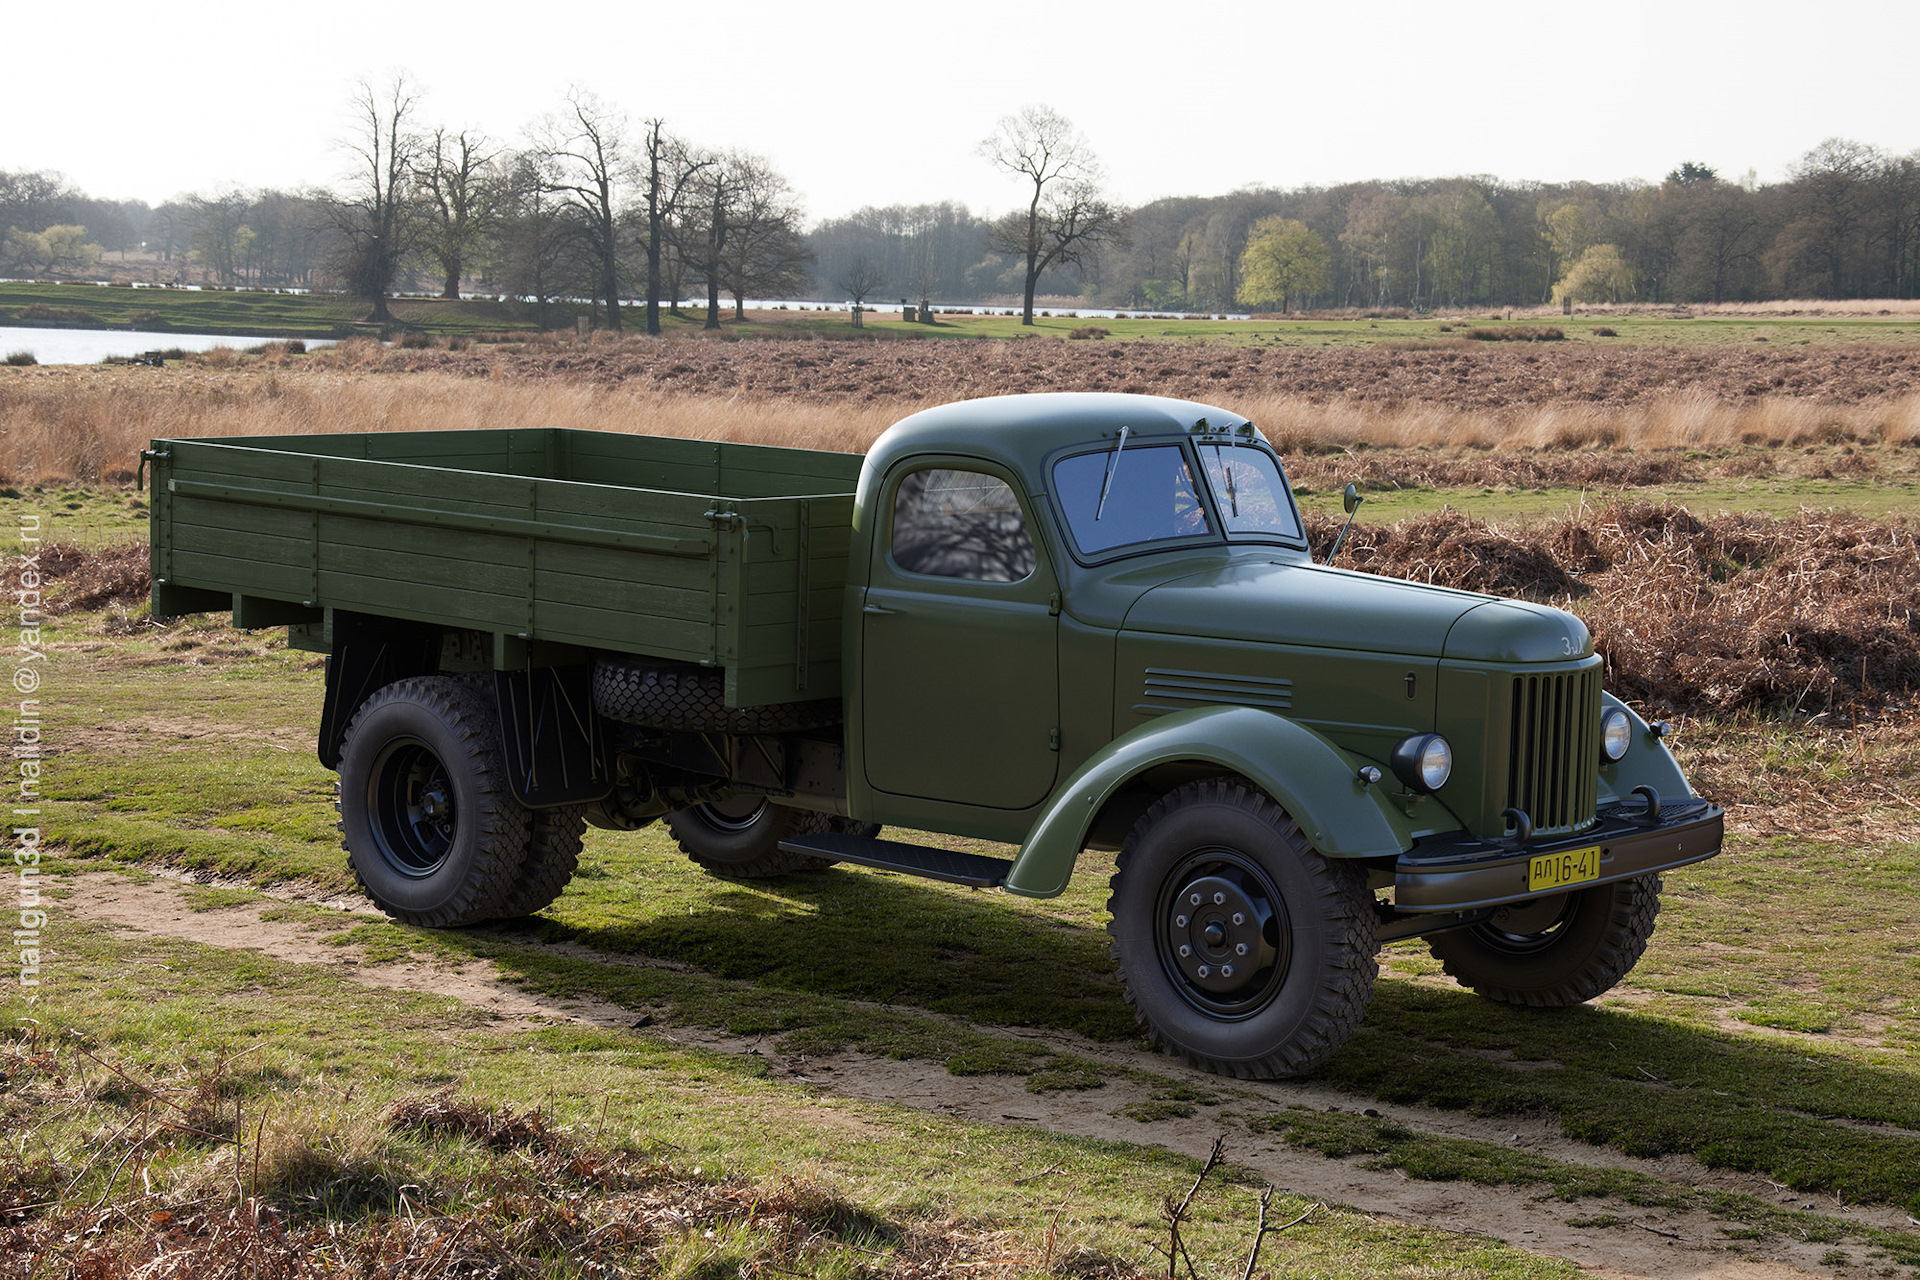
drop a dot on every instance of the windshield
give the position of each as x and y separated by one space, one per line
1248 490
1149 491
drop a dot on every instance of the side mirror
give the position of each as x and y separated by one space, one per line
1351 500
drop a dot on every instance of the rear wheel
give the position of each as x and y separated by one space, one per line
433 834
1243 949
1559 950
552 856
739 838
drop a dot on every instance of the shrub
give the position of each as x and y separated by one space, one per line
1517 333
41 311
1604 332
146 319
21 358
1089 331
415 342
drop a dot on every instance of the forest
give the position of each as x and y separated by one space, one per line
591 205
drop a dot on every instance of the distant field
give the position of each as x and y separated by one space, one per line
281 315
331 316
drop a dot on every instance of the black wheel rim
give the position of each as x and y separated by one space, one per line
1528 927
736 814
410 799
1223 935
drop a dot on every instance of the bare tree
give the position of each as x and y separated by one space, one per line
861 277
1832 185
448 173
668 172
536 241
587 146
1066 219
766 254
218 221
375 217
700 233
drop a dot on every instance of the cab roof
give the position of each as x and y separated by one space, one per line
1023 430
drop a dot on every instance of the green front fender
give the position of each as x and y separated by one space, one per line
1312 779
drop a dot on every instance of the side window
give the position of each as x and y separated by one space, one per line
960 524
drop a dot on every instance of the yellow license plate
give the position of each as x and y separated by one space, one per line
1558 870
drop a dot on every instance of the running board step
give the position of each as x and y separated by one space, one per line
972 869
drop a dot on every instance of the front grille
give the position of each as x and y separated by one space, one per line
1554 759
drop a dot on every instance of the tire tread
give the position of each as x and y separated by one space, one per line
1346 913
502 834
654 695
1631 916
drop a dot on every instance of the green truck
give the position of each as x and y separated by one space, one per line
1060 622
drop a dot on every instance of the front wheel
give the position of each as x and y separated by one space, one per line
1242 949
1554 951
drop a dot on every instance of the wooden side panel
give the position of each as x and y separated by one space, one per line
681 549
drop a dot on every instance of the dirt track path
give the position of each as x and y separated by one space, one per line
1658 1243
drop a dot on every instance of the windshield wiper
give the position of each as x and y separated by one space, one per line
1106 481
1226 469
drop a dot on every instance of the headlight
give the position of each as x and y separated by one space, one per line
1424 762
1616 733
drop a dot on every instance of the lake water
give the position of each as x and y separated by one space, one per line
91 346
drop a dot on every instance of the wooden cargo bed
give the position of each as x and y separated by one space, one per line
728 555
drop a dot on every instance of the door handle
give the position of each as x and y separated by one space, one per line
875 608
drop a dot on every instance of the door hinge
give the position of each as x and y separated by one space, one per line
1053 604
1053 739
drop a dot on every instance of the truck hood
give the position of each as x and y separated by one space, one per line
1320 607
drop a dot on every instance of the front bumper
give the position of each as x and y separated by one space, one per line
1461 873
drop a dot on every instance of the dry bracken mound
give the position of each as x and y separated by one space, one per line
1479 376
94 578
1694 615
1819 613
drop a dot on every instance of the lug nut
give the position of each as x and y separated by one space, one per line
1226 971
1239 948
1203 971
1195 899
1219 898
1185 951
1179 922
1239 917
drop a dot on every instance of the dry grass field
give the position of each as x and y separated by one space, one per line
89 423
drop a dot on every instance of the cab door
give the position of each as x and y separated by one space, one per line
959 636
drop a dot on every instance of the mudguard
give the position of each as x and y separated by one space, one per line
1647 763
1310 778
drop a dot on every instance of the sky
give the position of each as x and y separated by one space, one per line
865 103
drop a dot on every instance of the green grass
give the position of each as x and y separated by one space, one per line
1387 1145
1794 936
329 315
1779 496
1659 331
92 517
314 1066
280 315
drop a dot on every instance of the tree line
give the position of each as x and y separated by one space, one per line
591 204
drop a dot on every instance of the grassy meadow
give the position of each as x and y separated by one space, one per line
302 315
850 1074
213 1087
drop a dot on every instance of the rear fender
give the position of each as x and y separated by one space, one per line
1313 780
